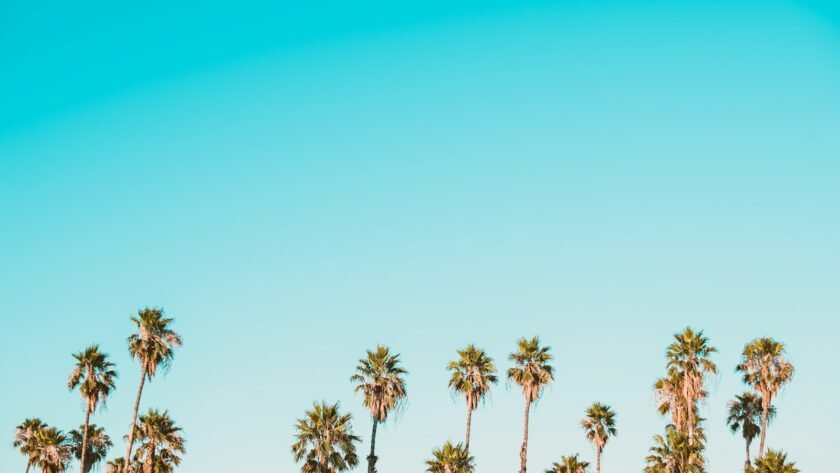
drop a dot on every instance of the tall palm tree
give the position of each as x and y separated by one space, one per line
450 459
472 374
570 464
381 379
689 361
53 450
161 442
154 346
745 415
26 439
532 372
774 462
95 377
766 369
676 452
599 425
325 441
94 445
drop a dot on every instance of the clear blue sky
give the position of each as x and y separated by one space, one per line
295 183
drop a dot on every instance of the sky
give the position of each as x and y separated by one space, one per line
297 182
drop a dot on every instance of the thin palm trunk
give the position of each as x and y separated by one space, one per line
763 431
127 459
747 463
523 452
469 421
28 465
152 460
84 440
598 461
372 457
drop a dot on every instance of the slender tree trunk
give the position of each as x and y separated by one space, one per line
127 459
372 457
598 461
84 439
763 431
28 465
523 452
469 421
152 460
748 463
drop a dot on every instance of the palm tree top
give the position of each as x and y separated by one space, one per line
690 350
155 342
93 374
774 461
599 424
381 378
325 441
764 366
569 464
472 374
450 459
532 370
744 414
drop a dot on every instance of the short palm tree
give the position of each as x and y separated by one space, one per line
154 346
532 373
26 440
95 377
325 441
676 452
53 450
745 415
450 459
96 443
116 466
689 361
766 369
161 442
472 374
381 379
570 464
774 462
599 425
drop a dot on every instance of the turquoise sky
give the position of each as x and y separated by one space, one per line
297 182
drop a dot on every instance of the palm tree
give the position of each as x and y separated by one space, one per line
689 362
26 439
599 425
95 377
53 450
472 374
95 442
676 452
450 459
774 462
766 369
570 464
532 372
325 440
161 443
380 377
745 415
154 346
116 466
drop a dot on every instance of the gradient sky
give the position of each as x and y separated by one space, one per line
295 183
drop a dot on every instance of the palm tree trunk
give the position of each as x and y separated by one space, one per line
372 457
28 465
763 432
747 464
84 440
598 461
469 421
523 452
127 460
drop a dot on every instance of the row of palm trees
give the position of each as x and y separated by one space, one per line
325 442
159 440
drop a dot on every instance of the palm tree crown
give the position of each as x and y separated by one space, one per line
569 464
774 462
532 371
93 375
155 342
97 444
450 459
161 442
53 450
676 452
745 415
325 441
26 439
689 363
472 374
